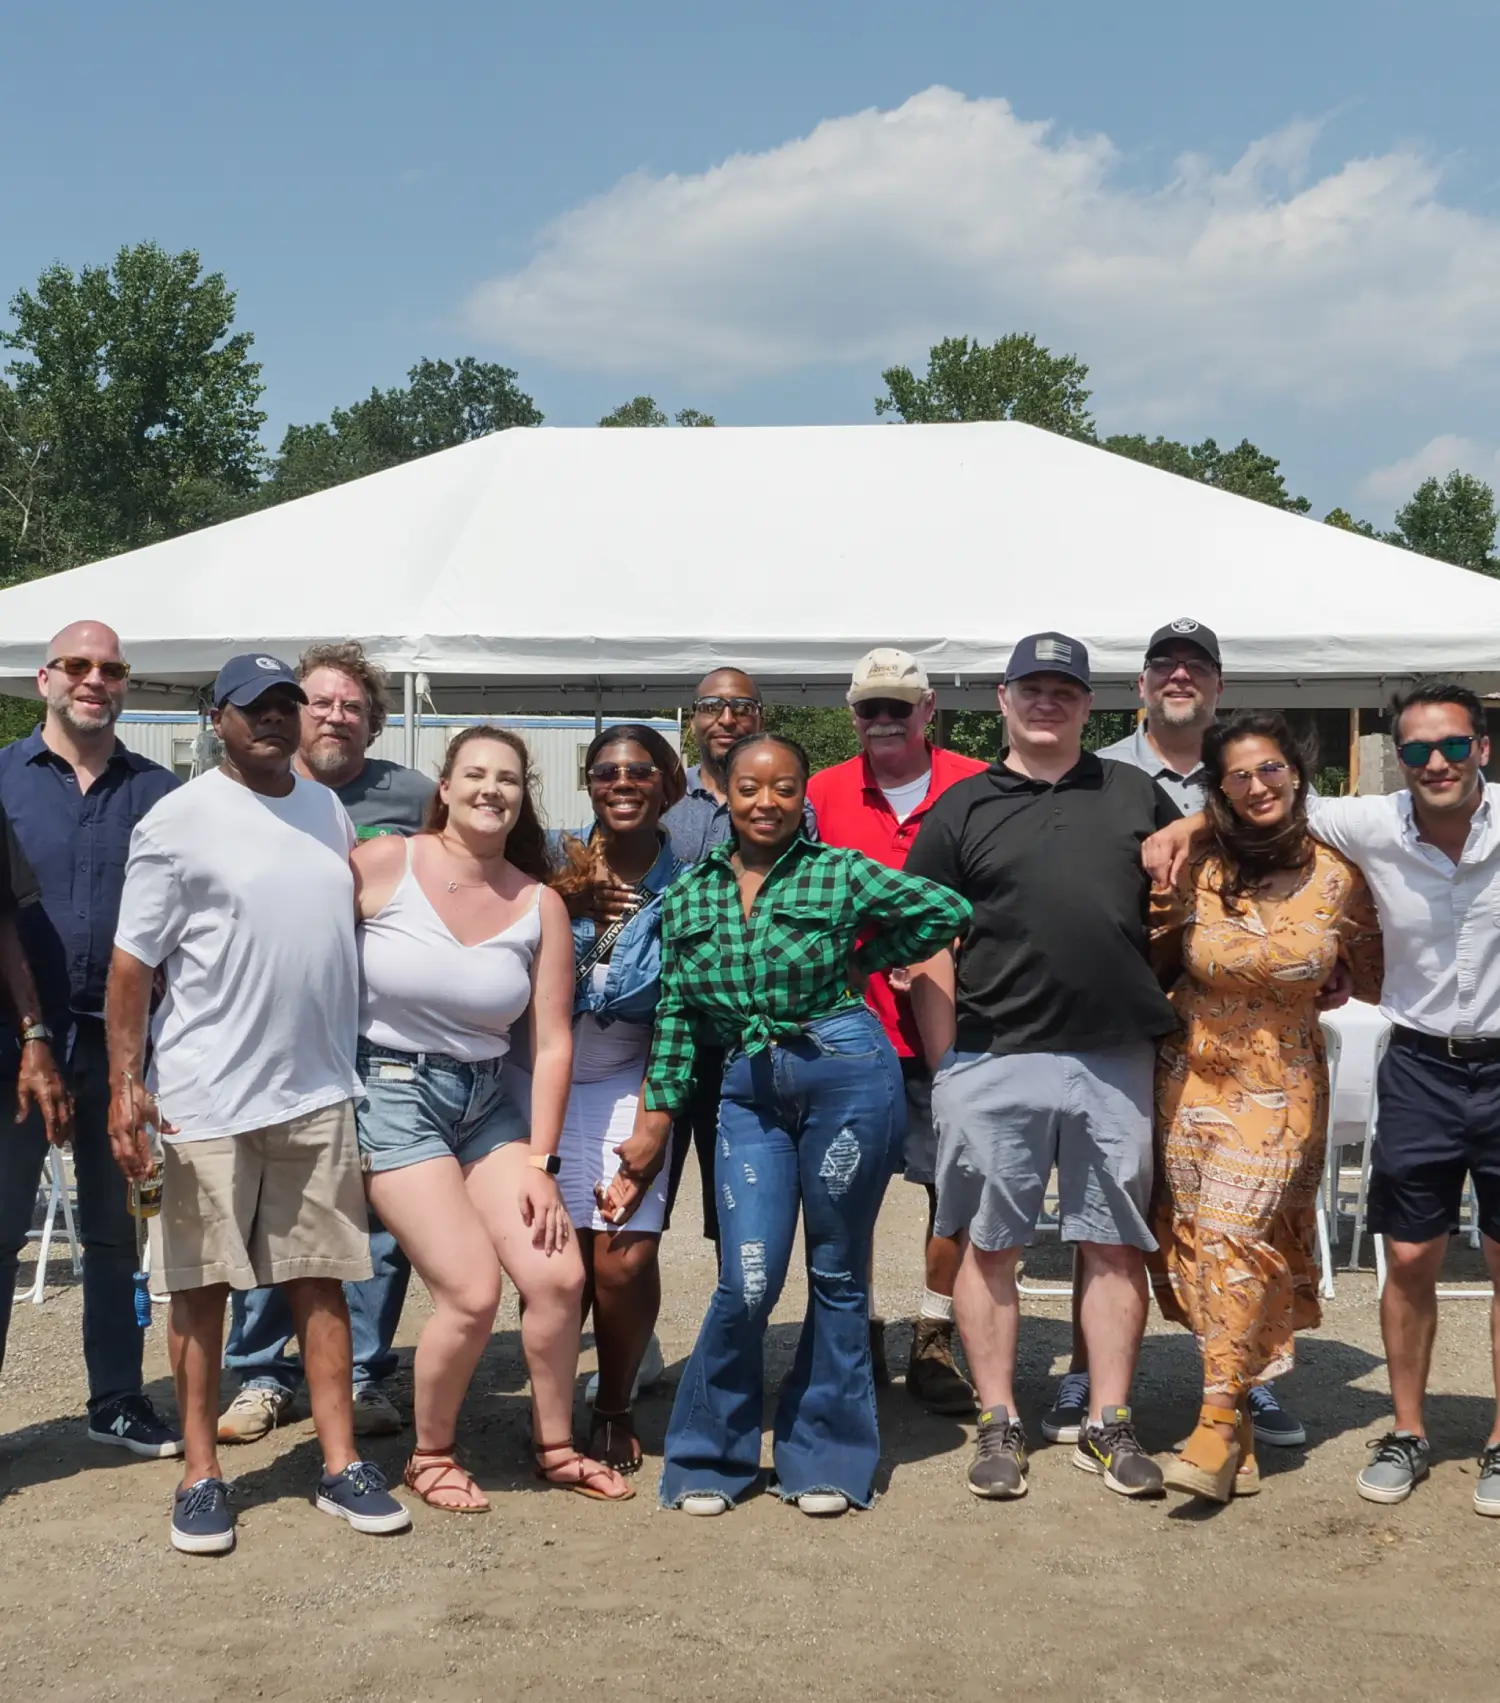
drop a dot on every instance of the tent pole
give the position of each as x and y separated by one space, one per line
598 708
409 717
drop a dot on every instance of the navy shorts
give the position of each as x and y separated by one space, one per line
1439 1125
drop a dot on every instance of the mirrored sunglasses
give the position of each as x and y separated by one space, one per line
1237 782
607 773
713 708
1416 753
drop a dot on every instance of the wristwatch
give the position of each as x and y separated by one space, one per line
36 1032
548 1162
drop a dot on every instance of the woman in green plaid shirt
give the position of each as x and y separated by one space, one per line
764 944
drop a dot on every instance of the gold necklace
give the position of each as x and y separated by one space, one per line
472 886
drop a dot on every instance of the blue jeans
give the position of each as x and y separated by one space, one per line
818 1122
261 1322
112 1339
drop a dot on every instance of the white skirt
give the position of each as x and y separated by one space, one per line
600 1116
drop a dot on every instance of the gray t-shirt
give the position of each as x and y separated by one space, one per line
386 798
1187 792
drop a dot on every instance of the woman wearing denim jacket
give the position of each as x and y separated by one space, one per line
612 877
760 956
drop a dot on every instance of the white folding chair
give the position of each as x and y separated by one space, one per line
60 1194
1328 1190
1042 1290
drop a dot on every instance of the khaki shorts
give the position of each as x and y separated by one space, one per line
266 1206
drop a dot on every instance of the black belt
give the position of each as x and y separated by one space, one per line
1478 1049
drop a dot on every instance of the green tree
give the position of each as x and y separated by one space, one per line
695 417
131 413
1452 520
1346 522
643 411
443 403
1015 378
1244 470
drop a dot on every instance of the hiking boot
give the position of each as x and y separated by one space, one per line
932 1374
1113 1451
878 1367
1487 1491
131 1422
374 1413
202 1520
254 1413
358 1495
999 1466
1401 1461
1069 1412
1271 1421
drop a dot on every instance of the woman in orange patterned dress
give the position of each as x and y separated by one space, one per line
1242 1089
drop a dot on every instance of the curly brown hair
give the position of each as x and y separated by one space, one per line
526 845
349 658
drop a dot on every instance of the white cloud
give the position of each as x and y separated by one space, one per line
1437 458
878 233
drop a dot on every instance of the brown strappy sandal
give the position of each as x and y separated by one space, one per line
624 1453
1247 1479
444 1464
1209 1460
582 1484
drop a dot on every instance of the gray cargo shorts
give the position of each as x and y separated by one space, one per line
1005 1120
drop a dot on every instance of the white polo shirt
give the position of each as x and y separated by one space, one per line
1440 920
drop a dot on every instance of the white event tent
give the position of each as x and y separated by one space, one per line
609 570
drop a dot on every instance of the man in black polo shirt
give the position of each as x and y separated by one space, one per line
1043 1042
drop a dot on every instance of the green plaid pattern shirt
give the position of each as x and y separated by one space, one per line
746 981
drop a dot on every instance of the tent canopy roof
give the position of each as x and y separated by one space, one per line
554 568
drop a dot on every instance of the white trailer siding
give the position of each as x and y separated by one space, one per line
556 745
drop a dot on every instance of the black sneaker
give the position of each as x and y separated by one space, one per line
358 1495
1064 1421
1272 1423
999 1466
1112 1450
202 1520
130 1422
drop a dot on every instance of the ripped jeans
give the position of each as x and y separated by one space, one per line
818 1122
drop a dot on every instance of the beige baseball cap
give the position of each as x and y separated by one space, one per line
888 673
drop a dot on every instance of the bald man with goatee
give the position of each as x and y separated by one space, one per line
73 795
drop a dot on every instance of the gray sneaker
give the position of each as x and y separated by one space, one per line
1113 1451
1401 1461
999 1467
1487 1491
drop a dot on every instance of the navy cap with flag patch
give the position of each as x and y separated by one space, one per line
1050 653
243 679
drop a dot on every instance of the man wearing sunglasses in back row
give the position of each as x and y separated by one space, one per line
74 794
1431 855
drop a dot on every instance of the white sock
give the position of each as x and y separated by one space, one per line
936 1306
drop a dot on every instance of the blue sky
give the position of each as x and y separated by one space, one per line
1281 221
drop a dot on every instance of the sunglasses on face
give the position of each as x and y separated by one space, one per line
896 708
80 667
605 774
1416 753
713 708
1198 666
1237 782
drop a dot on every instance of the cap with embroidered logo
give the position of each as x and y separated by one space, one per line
1185 631
888 673
243 679
1050 653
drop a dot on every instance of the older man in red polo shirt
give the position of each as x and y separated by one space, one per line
875 803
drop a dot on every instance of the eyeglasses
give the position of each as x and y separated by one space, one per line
80 667
321 708
603 774
739 708
1237 782
1198 666
896 708
1416 753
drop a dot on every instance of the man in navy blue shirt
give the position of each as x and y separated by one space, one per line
73 794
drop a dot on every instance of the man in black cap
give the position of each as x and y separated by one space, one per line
1180 685
1042 1040
238 893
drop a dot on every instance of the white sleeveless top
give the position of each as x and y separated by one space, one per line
423 991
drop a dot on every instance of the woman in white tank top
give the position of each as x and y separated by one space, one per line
459 939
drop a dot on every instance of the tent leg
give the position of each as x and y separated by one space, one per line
598 708
409 717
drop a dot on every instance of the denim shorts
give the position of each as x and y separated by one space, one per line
419 1106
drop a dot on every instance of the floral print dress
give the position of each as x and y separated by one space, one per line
1242 1108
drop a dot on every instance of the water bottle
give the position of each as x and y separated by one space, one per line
145 1203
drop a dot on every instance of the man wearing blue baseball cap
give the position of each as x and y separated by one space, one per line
238 893
1042 1040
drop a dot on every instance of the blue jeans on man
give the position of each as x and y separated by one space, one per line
815 1122
261 1323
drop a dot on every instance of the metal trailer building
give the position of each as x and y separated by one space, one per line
556 744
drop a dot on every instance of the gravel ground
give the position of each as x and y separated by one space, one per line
1304 1591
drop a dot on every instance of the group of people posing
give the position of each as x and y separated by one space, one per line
365 1025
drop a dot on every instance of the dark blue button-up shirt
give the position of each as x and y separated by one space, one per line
76 843
699 822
